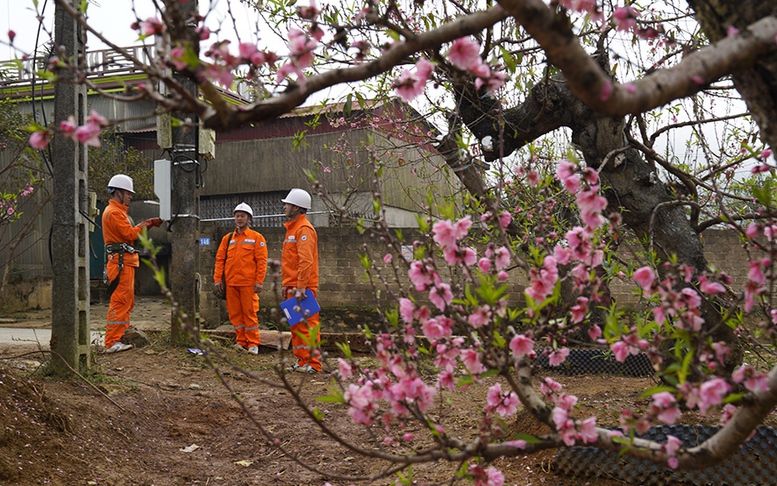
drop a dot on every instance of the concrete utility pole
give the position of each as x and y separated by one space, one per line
185 259
70 235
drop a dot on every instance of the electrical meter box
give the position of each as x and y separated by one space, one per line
162 183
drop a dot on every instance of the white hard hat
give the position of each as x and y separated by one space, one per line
298 197
121 181
245 208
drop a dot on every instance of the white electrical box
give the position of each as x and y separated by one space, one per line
162 183
207 147
93 211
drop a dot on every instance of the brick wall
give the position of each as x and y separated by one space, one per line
343 282
343 279
341 274
722 248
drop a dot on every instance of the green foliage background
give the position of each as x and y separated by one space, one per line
114 157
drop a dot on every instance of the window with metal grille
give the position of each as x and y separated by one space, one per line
267 206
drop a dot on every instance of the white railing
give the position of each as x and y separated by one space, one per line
99 63
104 62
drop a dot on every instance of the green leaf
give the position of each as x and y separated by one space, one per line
392 316
365 261
367 332
491 295
465 380
345 348
335 396
499 341
734 397
508 59
489 373
406 480
656 389
299 141
763 195
529 439
621 440
34 127
314 122
46 75
683 373
318 414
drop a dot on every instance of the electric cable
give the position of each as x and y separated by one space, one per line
46 154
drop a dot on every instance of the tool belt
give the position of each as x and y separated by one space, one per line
119 249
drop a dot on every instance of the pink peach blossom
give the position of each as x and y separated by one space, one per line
40 139
68 127
465 53
625 18
595 332
406 309
521 346
505 218
710 288
558 356
479 317
502 258
471 359
89 134
644 277
441 295
151 26
711 393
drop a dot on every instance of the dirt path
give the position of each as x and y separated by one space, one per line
149 313
160 416
165 419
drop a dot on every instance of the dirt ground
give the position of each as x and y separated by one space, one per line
160 416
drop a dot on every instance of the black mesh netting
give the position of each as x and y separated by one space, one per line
597 362
755 463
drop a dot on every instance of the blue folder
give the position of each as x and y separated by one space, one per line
296 311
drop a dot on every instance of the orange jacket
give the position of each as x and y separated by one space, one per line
118 228
247 259
299 255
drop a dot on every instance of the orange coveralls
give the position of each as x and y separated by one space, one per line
118 228
246 266
299 269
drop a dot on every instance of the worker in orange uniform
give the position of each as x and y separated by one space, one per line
299 272
245 253
119 234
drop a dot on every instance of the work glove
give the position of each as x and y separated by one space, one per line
151 223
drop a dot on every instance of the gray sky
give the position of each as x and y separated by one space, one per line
19 15
111 17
